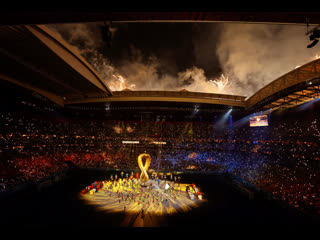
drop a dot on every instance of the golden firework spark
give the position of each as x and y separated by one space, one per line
120 83
220 83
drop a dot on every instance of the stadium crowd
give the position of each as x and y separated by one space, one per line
282 158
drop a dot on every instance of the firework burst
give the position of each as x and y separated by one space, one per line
120 83
220 83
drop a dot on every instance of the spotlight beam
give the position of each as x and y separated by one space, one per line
224 118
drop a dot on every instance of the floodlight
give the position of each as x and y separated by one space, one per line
313 43
313 37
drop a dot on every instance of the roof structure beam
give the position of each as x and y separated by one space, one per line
48 16
299 75
158 99
316 90
37 70
53 97
73 59
297 94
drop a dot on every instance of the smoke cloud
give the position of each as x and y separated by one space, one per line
253 55
249 55
136 71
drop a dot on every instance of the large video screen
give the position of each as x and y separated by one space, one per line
259 121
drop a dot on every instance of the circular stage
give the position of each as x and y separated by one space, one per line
157 197
64 205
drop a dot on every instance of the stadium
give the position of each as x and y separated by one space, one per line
74 152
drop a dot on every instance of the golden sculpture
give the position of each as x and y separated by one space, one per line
144 175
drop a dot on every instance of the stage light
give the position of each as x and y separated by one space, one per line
196 108
313 43
224 118
315 34
313 37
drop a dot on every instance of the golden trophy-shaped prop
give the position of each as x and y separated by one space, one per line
144 175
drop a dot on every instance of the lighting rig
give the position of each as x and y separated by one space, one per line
314 34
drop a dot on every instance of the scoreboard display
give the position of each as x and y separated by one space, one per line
259 121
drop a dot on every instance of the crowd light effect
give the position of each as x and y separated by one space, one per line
220 83
117 129
131 198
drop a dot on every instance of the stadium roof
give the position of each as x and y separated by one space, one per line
47 16
292 88
37 59
166 96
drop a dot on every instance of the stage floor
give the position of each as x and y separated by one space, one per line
62 205
137 203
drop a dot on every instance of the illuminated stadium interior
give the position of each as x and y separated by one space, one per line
70 138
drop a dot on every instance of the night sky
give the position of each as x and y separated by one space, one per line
173 43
